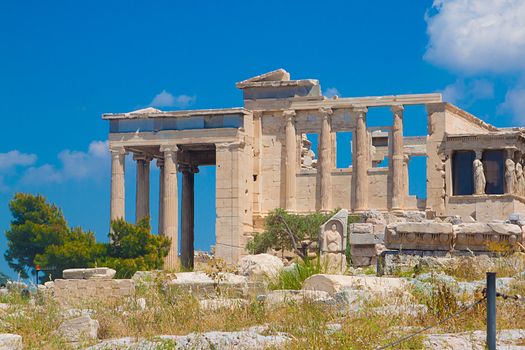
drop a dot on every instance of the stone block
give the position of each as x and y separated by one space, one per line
91 273
79 328
10 341
366 239
333 284
476 236
361 228
420 236
260 266
280 297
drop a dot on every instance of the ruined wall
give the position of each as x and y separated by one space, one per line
272 162
485 208
70 291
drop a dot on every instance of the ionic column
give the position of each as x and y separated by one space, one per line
187 218
291 160
325 159
118 162
361 149
397 158
160 164
142 186
170 217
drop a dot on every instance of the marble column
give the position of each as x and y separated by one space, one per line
118 163
142 186
187 237
360 168
170 198
160 164
397 158
291 160
325 159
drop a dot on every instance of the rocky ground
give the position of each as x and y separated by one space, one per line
254 306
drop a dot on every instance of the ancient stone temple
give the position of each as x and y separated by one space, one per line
265 159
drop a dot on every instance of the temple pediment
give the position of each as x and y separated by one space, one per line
275 75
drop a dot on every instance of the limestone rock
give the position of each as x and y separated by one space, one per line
280 297
241 340
91 273
373 217
333 284
260 266
79 328
10 341
506 339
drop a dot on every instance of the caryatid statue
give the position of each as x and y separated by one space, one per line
332 250
520 180
510 176
479 177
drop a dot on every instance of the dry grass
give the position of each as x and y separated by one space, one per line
309 325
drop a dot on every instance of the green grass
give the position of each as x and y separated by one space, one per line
293 278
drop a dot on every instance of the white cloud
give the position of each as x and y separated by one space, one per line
331 92
514 104
166 99
12 159
468 91
75 165
476 36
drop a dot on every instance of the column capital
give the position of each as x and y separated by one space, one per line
142 156
118 151
169 148
397 108
289 114
360 110
257 114
326 111
479 153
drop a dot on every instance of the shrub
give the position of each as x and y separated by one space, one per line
294 278
283 228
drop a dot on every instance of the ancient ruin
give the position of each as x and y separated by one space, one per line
264 160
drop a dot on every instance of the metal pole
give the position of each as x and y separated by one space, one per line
491 310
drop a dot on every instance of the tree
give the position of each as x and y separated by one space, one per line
39 234
36 225
286 231
79 249
134 248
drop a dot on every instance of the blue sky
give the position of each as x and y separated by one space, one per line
64 63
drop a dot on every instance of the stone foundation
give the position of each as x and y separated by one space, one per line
71 291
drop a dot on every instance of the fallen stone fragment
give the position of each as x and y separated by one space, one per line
506 339
240 340
334 284
10 341
260 266
86 274
281 297
79 328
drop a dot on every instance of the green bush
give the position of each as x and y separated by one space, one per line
279 225
294 278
